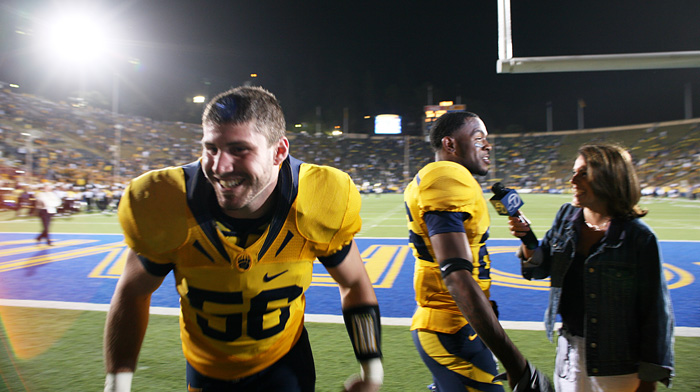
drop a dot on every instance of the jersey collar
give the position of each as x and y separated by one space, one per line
201 198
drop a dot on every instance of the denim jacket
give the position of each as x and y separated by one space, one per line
628 321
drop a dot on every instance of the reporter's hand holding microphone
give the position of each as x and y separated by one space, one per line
521 229
507 202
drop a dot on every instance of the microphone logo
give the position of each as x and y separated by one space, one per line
500 208
513 199
508 202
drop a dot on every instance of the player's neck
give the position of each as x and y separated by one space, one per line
257 211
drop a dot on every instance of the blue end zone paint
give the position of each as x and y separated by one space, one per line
81 268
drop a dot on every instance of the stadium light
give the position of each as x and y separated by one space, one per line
30 136
76 37
82 39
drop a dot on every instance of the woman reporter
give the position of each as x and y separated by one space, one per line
607 281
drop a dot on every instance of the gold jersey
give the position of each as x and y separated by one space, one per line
242 308
444 186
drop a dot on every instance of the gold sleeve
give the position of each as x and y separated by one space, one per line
327 208
448 186
153 213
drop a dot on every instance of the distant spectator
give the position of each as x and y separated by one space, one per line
47 203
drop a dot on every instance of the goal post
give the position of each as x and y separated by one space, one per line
609 62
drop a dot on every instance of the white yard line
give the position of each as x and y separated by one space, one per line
312 318
387 215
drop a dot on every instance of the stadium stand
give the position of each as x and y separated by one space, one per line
667 156
75 149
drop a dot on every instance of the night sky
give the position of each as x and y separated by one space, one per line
372 57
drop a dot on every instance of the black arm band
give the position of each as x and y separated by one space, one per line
449 266
365 328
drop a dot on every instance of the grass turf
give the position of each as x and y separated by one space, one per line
66 354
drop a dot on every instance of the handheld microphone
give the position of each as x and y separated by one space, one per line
507 202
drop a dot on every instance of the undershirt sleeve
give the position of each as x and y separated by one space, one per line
336 258
156 268
439 222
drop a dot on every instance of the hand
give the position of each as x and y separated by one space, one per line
517 227
355 384
533 381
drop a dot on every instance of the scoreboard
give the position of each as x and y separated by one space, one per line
433 112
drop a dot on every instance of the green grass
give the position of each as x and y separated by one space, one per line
50 349
73 359
671 219
384 217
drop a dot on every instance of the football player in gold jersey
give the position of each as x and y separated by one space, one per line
240 228
455 325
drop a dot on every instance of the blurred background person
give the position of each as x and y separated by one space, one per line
47 202
607 281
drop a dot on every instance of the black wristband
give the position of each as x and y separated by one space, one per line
453 264
364 327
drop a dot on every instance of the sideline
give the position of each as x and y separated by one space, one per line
692 332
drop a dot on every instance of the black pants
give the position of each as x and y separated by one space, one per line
295 372
45 222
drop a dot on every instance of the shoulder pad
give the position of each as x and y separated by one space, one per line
153 212
447 186
327 206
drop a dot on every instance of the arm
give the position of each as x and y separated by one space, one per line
474 305
358 300
127 320
355 286
536 263
519 229
656 321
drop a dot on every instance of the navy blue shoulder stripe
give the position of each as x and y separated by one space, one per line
200 248
288 188
200 195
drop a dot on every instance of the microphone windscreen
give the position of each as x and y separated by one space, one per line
498 189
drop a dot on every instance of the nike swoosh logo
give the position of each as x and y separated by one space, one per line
472 337
268 278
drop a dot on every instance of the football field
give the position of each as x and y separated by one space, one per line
53 299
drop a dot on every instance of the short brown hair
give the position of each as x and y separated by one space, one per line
613 178
247 104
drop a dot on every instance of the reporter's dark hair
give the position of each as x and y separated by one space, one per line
613 179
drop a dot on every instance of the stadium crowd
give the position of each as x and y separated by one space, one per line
74 147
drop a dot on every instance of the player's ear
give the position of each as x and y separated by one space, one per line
448 144
281 150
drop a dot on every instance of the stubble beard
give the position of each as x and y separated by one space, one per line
234 203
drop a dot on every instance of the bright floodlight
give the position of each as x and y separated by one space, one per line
77 38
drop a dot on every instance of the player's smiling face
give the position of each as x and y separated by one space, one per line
242 167
471 147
